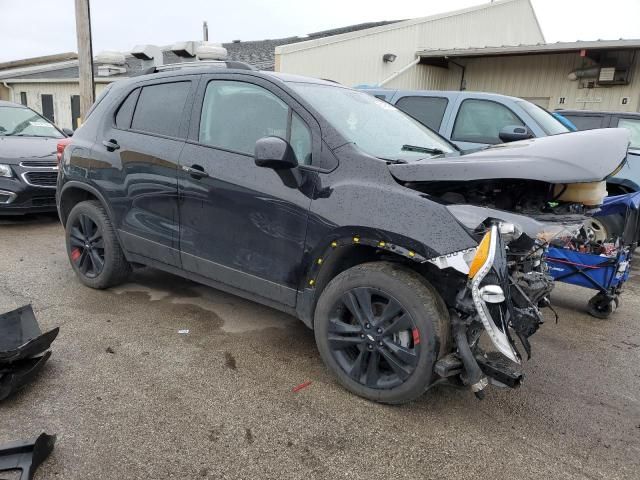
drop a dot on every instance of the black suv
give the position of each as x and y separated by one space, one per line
331 205
28 166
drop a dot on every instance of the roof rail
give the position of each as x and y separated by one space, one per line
205 63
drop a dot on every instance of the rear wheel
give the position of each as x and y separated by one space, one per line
380 328
93 248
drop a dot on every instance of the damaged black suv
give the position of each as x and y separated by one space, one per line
331 205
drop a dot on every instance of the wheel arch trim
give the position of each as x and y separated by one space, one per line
73 184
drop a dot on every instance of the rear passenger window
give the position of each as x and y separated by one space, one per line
480 121
427 110
159 108
236 114
125 112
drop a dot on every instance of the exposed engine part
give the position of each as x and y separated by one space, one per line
531 198
591 194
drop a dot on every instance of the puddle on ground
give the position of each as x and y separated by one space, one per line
237 314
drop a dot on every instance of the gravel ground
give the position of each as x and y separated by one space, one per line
131 397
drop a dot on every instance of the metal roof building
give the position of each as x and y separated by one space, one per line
495 47
359 57
49 84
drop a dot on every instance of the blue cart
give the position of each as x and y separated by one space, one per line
605 274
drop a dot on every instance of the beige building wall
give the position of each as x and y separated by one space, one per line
61 92
543 79
356 58
5 93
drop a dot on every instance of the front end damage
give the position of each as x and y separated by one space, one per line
513 199
501 294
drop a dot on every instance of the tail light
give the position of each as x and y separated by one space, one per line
60 148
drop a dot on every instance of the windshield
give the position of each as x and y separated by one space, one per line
633 125
375 126
23 122
548 123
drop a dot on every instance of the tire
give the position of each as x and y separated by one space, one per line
346 344
92 217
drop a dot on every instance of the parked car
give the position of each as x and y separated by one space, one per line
628 179
475 120
28 166
335 207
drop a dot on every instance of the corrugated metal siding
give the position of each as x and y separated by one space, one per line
61 92
359 60
545 76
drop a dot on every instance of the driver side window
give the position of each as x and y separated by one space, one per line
236 114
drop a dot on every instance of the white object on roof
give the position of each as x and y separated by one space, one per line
184 49
148 53
211 51
110 57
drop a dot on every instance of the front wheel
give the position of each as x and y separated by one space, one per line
93 248
380 327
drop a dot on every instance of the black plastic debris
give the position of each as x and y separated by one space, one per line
26 457
23 349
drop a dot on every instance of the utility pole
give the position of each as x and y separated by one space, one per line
85 56
205 31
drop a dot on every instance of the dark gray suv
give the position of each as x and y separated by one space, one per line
333 206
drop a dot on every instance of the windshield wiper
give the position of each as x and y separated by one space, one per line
415 148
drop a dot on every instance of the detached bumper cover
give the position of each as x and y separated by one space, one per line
23 349
26 457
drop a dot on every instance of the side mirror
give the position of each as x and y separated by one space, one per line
513 133
276 153
68 132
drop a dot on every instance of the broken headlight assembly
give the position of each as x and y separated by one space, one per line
489 283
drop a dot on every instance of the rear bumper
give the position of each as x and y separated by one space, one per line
19 198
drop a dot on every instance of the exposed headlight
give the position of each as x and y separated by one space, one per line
480 267
5 171
492 294
509 231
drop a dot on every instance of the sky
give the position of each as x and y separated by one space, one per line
30 28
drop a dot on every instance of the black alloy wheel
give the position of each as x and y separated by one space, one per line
373 339
380 327
87 246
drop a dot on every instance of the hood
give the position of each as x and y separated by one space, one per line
587 156
14 149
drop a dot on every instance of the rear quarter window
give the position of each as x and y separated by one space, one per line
159 108
427 110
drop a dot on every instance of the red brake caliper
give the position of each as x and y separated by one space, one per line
75 254
416 336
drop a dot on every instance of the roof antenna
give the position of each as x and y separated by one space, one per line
205 31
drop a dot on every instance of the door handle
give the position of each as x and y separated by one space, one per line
111 145
196 171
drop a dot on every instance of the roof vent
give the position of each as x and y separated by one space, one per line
109 70
151 55
184 49
111 58
211 51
